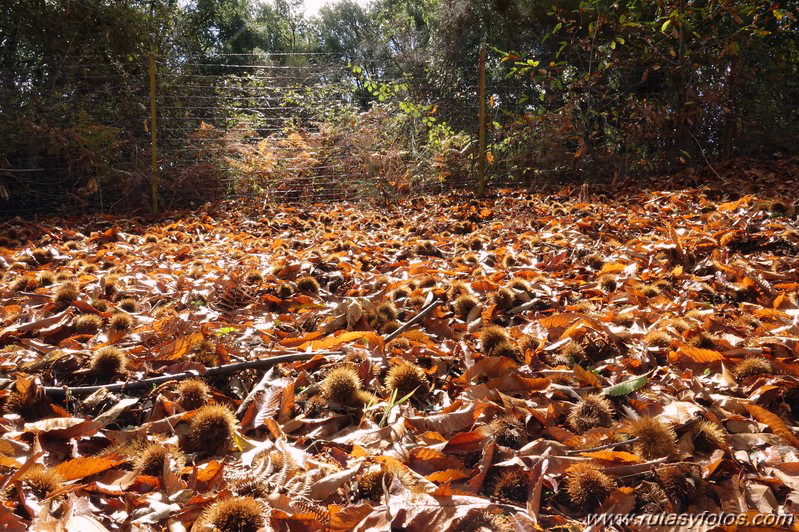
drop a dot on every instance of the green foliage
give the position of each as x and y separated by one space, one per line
393 402
635 87
575 87
626 387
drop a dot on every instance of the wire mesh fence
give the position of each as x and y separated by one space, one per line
272 125
309 128
70 133
251 125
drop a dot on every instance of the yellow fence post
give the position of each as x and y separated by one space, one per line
153 137
481 119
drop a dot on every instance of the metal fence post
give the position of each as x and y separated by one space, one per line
153 137
481 120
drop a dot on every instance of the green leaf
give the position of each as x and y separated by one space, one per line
665 25
406 397
242 443
626 387
225 330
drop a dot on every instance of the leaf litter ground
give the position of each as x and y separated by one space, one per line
576 354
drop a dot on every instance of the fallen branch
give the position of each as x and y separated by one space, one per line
413 321
61 391
601 447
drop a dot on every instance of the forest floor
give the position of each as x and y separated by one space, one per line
567 354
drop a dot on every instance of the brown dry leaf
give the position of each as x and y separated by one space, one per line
613 456
327 485
516 383
286 403
773 421
489 367
558 321
209 471
296 342
425 460
487 315
465 442
179 347
700 356
417 336
86 466
343 337
346 519
588 377
447 475
10 521
613 267
620 501
607 274
456 418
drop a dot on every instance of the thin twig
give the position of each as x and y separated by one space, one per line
413 321
61 391
702 151
601 447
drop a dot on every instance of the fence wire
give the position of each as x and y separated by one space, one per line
304 128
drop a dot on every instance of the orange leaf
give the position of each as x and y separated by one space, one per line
417 336
7 461
613 267
488 313
335 341
286 403
348 518
558 321
432 460
588 377
465 442
85 466
429 437
179 347
514 383
613 456
676 239
489 367
447 476
732 205
571 330
294 342
700 356
211 470
773 421
771 313
484 286
564 436
23 385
